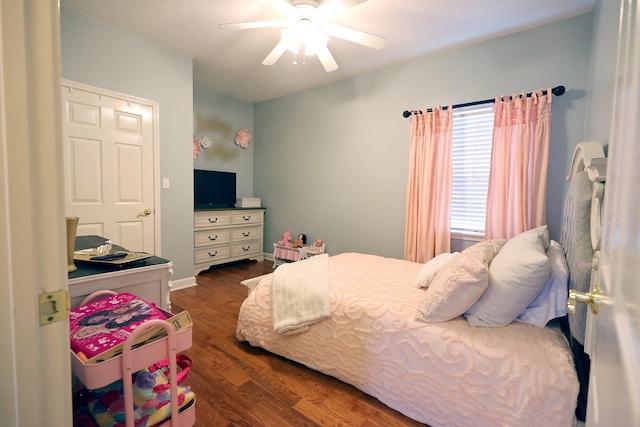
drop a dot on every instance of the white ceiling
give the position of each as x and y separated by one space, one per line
230 61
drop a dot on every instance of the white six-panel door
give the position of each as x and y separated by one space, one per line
614 384
109 156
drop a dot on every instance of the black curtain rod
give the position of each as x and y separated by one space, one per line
557 91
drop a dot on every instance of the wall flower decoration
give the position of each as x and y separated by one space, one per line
199 144
243 138
196 148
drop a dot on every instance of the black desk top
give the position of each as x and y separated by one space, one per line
89 269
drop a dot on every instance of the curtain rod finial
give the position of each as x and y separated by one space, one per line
558 90
406 114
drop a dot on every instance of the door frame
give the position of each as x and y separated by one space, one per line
155 106
37 382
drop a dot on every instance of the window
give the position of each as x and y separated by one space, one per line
471 158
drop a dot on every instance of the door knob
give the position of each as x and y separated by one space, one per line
146 212
594 299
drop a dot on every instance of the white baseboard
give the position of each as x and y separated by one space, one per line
183 283
191 281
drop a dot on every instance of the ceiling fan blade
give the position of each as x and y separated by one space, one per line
355 36
251 25
326 59
275 54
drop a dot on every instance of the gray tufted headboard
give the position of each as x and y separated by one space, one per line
576 242
581 228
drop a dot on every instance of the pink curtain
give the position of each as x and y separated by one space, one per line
428 219
516 199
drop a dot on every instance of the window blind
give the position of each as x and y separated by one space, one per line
471 158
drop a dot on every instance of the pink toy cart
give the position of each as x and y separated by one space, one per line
95 375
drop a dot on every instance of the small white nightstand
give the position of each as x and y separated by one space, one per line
283 254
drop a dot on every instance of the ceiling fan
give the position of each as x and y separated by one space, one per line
305 31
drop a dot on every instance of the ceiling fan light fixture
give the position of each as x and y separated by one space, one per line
304 38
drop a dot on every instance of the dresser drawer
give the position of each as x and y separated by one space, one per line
211 219
245 248
248 233
214 253
211 237
246 217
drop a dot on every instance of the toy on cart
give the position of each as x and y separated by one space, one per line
103 324
131 364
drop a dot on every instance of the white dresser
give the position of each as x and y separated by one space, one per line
225 235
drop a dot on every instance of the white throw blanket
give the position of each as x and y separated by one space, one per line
300 294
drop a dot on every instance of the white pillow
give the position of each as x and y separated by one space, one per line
431 268
516 276
552 301
459 283
543 232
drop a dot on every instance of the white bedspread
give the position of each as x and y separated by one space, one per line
442 374
301 295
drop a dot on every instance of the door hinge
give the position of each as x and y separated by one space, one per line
54 307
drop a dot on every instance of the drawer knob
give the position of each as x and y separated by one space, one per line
246 233
213 237
246 248
213 254
213 220
246 218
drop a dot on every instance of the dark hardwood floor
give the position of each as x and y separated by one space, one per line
240 385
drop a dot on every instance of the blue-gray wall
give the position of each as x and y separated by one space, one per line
219 117
332 162
102 55
602 71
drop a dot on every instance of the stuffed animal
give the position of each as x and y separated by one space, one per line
286 239
144 395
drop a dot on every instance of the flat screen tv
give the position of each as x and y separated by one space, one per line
213 189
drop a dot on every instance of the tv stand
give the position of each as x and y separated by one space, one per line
226 235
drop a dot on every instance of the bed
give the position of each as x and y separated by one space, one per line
433 341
